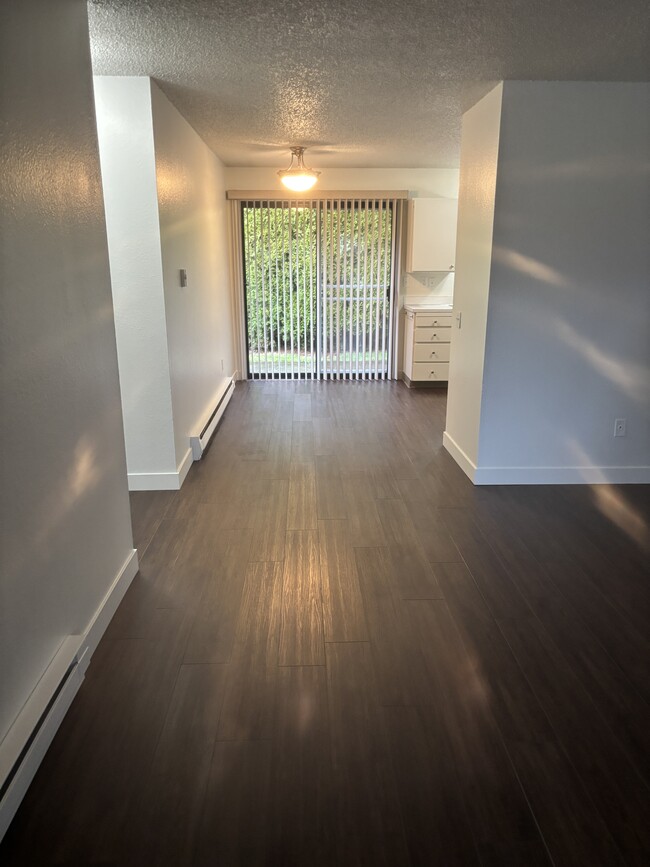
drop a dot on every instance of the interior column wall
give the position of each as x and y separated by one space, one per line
126 144
568 333
65 522
166 211
192 211
478 179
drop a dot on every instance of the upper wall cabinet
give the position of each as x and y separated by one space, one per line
431 242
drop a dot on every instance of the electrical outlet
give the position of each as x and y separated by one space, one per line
620 427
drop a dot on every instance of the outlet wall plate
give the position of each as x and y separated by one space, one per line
620 427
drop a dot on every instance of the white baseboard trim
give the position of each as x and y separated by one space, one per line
184 467
154 482
25 744
545 475
109 604
562 476
466 465
162 481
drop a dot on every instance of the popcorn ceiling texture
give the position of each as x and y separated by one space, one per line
365 83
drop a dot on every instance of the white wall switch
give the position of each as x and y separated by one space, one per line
620 427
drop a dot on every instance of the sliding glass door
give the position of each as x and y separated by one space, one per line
318 285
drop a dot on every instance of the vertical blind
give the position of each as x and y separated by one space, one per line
319 280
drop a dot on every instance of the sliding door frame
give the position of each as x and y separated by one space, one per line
237 200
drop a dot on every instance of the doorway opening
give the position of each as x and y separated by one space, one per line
319 280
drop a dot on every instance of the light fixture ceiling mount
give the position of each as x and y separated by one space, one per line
298 177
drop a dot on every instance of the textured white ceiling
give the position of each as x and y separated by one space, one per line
364 83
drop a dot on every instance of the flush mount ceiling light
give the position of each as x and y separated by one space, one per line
298 177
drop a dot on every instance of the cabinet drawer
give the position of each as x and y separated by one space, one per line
427 371
432 335
427 352
427 320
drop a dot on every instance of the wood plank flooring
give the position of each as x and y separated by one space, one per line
339 652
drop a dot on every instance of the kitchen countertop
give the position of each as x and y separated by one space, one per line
429 308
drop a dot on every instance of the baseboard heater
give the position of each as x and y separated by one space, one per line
200 442
27 741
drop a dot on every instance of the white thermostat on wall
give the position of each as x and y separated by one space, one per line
183 278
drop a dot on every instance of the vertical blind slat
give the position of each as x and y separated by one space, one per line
371 362
275 339
354 249
322 302
337 246
269 288
299 275
343 248
309 319
385 290
319 284
255 257
282 361
396 212
290 234
365 291
330 295
346 285
355 304
266 358
247 279
391 287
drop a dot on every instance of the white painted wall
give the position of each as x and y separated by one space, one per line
126 143
165 210
65 521
432 287
568 338
193 235
567 349
478 178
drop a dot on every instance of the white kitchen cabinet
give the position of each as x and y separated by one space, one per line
427 340
431 241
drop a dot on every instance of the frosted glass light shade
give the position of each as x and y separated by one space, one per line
300 183
298 177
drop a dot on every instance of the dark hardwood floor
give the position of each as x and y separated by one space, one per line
339 652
